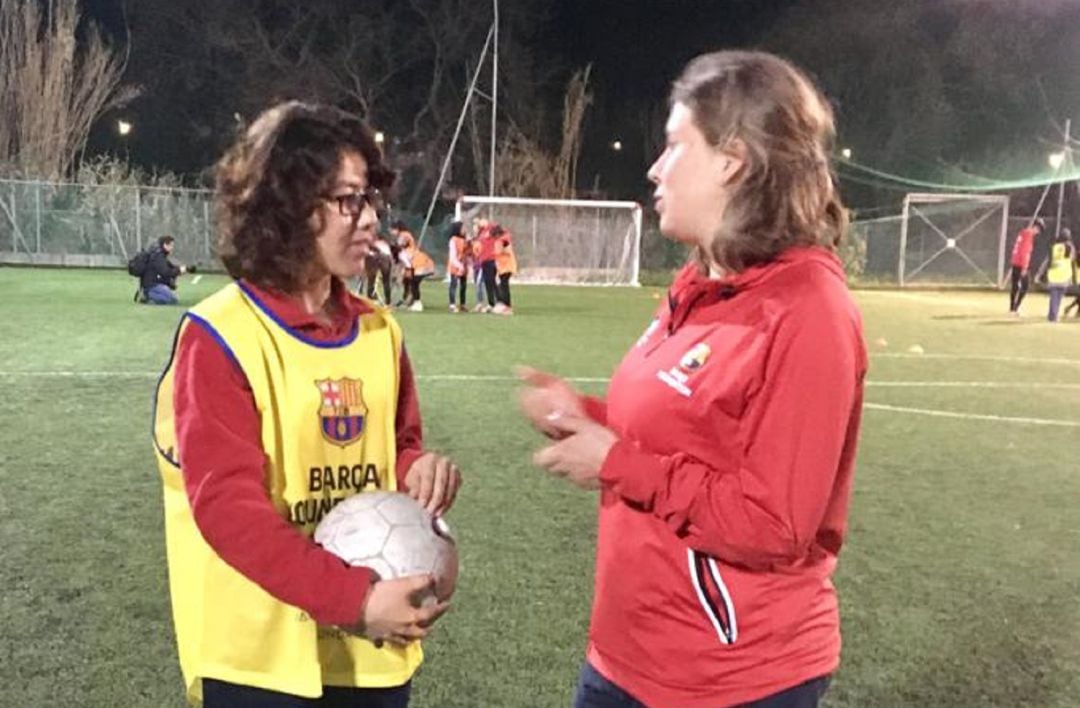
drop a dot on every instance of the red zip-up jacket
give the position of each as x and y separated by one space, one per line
1021 253
217 427
724 502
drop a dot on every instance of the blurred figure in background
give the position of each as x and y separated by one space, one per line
1020 264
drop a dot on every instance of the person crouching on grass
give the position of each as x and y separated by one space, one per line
277 374
725 449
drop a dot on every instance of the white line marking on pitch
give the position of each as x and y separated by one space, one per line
592 379
971 384
574 379
952 300
155 374
977 357
971 416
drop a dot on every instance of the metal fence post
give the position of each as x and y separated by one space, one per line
138 220
14 222
206 229
37 216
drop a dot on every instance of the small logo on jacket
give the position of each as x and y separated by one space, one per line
677 376
696 357
343 411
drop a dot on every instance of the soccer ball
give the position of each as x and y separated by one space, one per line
390 533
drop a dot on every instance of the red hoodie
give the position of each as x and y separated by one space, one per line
724 503
1021 253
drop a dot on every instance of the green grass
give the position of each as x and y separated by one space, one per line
959 581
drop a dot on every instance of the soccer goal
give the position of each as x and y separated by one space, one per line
566 241
953 239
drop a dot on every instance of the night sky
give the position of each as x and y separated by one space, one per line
930 89
636 48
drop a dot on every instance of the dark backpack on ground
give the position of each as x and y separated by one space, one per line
136 265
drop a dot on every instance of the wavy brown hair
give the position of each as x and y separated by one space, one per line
272 179
785 194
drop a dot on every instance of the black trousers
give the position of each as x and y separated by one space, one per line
1075 304
504 289
595 691
375 267
1018 287
488 272
219 694
412 287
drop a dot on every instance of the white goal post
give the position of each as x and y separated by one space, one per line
953 239
565 241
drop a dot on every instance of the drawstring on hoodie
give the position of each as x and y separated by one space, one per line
724 292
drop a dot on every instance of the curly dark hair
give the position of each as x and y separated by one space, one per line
271 180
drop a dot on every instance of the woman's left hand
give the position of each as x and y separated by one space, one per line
580 455
433 481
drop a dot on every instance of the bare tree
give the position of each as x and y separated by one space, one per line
524 168
53 85
400 65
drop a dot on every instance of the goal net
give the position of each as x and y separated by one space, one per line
566 241
953 239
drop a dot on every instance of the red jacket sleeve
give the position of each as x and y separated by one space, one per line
410 435
765 508
595 408
223 464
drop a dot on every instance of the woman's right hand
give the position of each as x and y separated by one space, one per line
546 399
400 610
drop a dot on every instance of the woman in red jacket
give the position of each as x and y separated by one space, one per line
724 450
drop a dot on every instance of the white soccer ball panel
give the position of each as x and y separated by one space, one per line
411 549
402 509
357 540
378 565
390 533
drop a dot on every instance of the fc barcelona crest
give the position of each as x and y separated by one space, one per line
343 412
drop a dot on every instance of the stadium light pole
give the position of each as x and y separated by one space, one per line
457 132
494 94
1066 159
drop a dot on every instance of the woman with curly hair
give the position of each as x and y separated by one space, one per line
286 394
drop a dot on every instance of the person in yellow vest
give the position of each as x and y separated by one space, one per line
284 395
506 267
1060 271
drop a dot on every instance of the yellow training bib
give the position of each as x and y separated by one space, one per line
328 414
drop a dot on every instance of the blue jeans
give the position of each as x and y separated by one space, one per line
1057 292
457 285
478 278
161 294
219 694
595 691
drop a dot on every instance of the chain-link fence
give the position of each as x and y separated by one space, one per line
55 223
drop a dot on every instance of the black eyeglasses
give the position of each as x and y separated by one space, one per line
353 203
